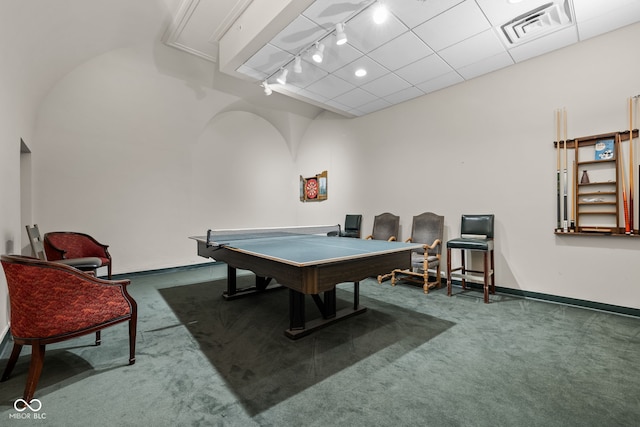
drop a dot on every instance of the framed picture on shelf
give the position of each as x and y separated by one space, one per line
604 149
313 189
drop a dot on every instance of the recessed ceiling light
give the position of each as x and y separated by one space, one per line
361 72
380 14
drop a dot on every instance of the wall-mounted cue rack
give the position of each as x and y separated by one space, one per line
602 190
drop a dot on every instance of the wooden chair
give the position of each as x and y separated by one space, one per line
60 245
476 234
385 227
37 248
53 302
427 228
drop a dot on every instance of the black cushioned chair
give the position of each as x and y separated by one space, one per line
352 225
385 227
427 228
476 234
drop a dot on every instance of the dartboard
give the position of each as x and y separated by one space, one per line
311 188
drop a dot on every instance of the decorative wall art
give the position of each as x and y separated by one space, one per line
313 189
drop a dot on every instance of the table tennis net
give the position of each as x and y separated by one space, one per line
221 237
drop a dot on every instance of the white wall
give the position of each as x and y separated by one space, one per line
142 160
172 161
486 146
141 147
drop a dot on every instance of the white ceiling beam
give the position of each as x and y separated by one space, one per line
257 25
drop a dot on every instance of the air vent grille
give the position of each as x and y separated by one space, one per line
543 20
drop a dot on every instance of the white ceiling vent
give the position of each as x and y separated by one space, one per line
543 20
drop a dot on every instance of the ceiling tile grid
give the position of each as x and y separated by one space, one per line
423 45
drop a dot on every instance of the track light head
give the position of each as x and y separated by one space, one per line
282 78
318 53
267 88
297 65
341 37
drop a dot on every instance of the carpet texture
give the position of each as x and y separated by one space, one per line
411 359
244 340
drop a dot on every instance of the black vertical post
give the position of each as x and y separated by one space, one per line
356 295
231 280
296 310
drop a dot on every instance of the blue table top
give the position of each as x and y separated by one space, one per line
303 250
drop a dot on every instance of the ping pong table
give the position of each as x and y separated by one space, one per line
305 262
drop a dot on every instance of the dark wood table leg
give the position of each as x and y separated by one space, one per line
232 277
299 327
233 292
296 310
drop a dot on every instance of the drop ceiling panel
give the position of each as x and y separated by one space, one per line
386 85
327 13
486 65
414 13
336 57
299 34
425 69
403 50
254 74
594 21
330 86
365 35
453 26
310 74
424 46
441 82
355 98
376 105
472 49
269 59
404 95
314 96
590 9
374 70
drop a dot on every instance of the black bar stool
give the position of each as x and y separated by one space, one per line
476 234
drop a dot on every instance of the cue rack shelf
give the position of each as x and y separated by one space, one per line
596 190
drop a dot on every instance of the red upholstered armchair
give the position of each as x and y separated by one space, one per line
52 302
67 244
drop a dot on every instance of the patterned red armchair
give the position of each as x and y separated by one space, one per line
52 302
67 244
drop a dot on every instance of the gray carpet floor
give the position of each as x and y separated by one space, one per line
411 359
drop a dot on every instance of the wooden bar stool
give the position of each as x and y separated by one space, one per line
476 234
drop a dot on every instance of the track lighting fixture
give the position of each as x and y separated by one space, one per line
282 78
297 65
267 88
341 37
318 53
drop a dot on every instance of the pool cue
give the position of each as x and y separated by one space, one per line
574 190
559 220
565 222
636 98
631 168
624 190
